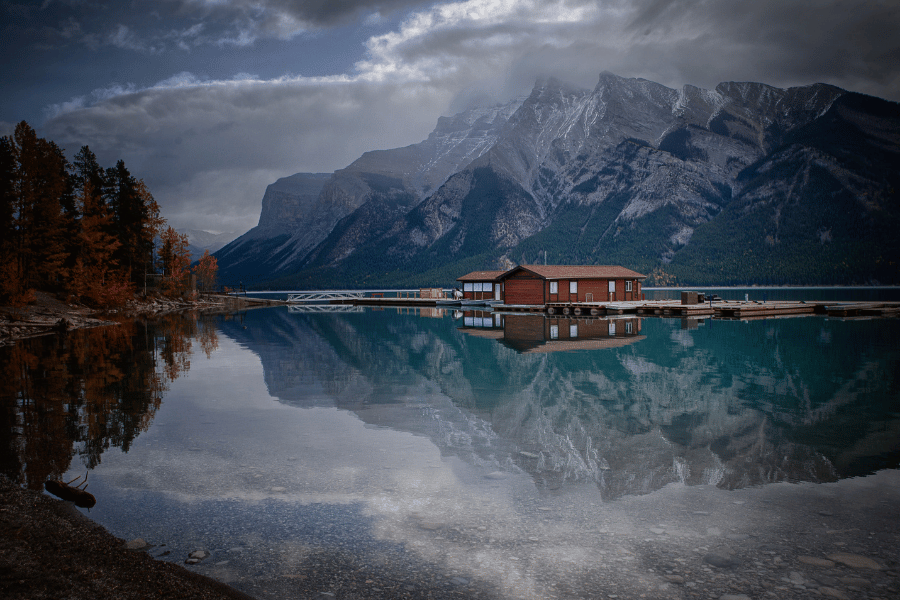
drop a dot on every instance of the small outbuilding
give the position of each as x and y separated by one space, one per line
481 285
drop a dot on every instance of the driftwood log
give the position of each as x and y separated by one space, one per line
76 495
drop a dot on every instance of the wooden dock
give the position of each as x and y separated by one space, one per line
720 309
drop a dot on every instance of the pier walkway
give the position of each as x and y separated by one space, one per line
720 309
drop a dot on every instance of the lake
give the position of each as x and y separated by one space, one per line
430 453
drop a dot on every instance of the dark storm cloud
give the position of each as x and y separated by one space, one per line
208 145
314 12
852 44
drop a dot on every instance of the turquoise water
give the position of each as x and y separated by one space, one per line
494 450
810 294
837 294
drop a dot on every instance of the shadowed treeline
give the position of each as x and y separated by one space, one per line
82 393
82 232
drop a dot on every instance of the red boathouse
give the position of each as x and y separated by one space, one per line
542 284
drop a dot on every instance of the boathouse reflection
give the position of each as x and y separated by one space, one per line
529 333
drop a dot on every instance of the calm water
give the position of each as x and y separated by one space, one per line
508 456
788 294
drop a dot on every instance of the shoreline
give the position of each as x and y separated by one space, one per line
48 549
48 315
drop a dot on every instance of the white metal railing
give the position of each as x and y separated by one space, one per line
324 308
327 295
323 296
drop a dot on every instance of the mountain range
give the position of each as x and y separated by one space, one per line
743 184
200 240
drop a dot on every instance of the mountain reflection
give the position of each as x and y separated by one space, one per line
732 404
86 391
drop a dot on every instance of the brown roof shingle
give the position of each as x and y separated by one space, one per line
581 271
481 276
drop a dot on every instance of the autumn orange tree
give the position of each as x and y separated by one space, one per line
206 270
95 275
174 261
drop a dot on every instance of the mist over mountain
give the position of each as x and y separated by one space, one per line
199 241
743 184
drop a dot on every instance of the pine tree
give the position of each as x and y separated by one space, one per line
39 187
135 219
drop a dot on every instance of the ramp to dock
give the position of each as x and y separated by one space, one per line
323 296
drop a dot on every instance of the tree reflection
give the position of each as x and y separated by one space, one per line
92 389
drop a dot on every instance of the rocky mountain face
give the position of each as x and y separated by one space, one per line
318 219
746 183
286 208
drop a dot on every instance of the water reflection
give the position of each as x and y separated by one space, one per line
733 404
534 333
81 393
628 404
349 454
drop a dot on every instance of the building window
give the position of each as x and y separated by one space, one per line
467 287
573 287
612 328
554 287
554 332
573 331
628 327
627 286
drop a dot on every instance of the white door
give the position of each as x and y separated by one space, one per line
496 291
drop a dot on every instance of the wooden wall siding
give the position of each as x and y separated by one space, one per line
524 290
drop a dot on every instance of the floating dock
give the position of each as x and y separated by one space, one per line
719 309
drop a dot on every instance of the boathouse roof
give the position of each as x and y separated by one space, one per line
481 276
578 272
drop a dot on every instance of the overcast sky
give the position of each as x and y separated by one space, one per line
211 100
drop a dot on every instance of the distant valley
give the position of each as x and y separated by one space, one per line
200 241
743 184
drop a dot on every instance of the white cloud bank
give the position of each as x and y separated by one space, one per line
207 148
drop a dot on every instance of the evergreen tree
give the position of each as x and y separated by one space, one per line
40 188
121 193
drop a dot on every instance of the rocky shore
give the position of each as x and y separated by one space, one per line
46 314
50 550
